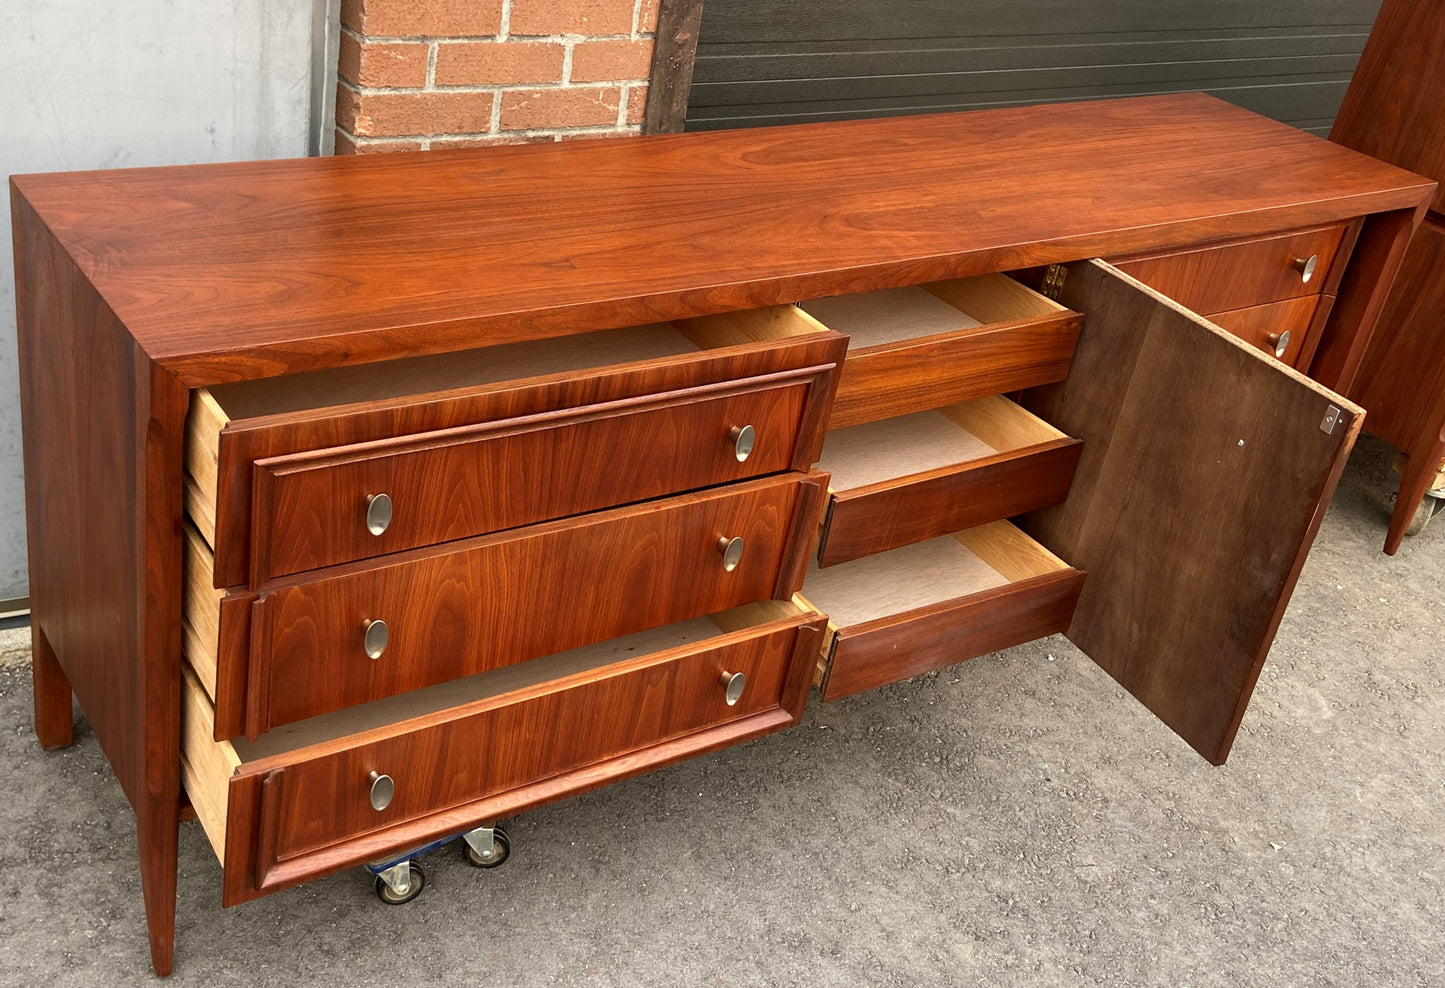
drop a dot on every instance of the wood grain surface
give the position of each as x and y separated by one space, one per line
103 467
1233 276
811 359
233 271
1392 110
463 608
309 510
1402 379
1205 472
298 814
1263 326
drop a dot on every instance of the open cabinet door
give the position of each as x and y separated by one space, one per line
1205 472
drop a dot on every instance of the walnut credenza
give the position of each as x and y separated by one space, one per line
499 475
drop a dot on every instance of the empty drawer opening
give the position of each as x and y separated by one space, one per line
876 452
926 573
933 604
208 766
895 315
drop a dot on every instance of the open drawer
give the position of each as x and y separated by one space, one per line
309 799
929 345
902 480
1204 471
299 472
932 604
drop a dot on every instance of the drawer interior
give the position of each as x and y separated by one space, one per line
505 362
877 452
898 315
209 765
916 576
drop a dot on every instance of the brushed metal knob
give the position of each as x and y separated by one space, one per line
1280 342
732 551
378 513
1306 267
382 789
374 638
733 683
743 438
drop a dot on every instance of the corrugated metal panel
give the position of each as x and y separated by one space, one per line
793 61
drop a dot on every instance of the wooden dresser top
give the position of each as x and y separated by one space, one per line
223 272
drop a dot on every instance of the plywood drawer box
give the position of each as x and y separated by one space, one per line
924 346
935 603
296 473
298 803
1248 273
366 631
902 480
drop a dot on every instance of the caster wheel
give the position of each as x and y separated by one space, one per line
386 894
1427 509
501 849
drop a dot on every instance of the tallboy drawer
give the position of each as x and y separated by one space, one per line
296 473
926 346
365 631
1235 276
299 803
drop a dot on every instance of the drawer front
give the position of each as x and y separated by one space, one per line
221 454
911 643
1236 276
508 598
1279 328
895 379
311 510
295 816
887 515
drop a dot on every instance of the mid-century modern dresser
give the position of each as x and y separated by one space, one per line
373 500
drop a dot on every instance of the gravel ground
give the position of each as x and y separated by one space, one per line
1018 820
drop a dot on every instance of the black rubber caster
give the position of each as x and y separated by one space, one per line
501 850
391 897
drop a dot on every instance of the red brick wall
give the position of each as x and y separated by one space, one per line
418 74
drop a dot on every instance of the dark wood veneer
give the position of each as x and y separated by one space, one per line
227 272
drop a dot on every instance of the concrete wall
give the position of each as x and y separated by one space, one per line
99 84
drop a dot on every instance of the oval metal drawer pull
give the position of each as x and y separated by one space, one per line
375 638
732 551
1280 342
378 513
382 789
1306 267
733 682
743 438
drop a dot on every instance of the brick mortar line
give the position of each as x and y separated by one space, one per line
498 39
487 87
480 136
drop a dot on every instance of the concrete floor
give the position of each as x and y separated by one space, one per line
1018 820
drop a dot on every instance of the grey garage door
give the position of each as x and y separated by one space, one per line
790 61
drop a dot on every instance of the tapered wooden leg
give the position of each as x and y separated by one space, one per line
1419 474
54 723
157 833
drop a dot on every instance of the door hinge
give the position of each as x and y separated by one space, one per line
1332 418
1054 281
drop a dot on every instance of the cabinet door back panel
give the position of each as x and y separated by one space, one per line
1204 475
